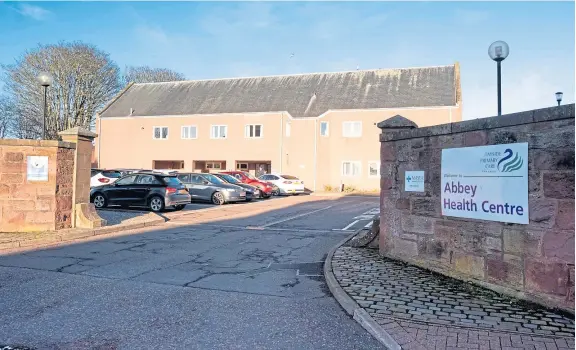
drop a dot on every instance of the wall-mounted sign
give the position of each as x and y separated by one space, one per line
414 181
487 182
37 168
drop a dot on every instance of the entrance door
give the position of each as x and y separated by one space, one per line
262 168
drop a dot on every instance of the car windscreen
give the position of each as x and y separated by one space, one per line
250 176
113 174
289 177
230 178
171 181
212 178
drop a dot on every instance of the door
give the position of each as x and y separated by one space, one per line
197 187
261 169
142 188
120 192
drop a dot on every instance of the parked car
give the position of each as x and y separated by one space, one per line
251 191
247 178
208 187
155 191
100 177
287 184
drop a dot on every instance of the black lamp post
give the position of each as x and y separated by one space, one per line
45 80
559 97
498 51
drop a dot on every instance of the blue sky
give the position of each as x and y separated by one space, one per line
207 40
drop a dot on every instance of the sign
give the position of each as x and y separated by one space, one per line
487 182
414 181
37 168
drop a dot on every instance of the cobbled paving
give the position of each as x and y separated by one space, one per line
423 310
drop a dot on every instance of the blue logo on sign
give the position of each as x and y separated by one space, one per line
409 178
507 164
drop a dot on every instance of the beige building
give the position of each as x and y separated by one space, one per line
320 127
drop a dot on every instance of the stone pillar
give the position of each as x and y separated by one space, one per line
84 214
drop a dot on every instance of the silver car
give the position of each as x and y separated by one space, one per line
207 187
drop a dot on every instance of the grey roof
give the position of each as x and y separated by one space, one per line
304 95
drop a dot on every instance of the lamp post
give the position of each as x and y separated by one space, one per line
559 97
45 80
498 51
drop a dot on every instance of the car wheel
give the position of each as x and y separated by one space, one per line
275 192
156 204
249 200
218 198
99 201
179 206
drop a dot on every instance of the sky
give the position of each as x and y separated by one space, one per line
206 40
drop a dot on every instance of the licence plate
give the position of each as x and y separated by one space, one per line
242 194
182 192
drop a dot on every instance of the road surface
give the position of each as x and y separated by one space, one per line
246 276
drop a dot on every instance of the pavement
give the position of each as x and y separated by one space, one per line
242 276
413 308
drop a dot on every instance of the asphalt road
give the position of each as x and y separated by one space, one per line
235 277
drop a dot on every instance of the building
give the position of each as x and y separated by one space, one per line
319 127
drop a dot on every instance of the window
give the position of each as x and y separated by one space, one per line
160 132
184 178
218 131
112 174
242 166
129 180
350 168
147 180
197 179
289 177
253 131
171 181
288 129
189 132
324 129
374 169
352 129
213 165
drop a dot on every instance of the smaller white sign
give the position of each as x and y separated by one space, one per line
414 181
37 168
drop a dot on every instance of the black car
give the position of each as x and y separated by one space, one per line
155 191
251 191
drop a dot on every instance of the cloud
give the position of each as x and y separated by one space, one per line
239 18
35 12
472 17
152 33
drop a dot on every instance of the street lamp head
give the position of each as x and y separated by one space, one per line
498 51
45 79
559 96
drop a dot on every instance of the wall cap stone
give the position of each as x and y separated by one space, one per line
37 143
527 117
396 122
78 131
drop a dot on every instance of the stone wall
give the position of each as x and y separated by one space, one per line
35 205
534 261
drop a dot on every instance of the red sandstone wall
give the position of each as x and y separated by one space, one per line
534 261
35 206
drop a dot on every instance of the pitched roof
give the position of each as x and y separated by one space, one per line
303 95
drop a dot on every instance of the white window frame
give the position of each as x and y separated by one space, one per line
288 129
377 168
189 127
247 128
212 136
327 129
213 167
344 124
160 127
357 163
238 166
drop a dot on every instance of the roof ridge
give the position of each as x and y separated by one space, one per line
294 75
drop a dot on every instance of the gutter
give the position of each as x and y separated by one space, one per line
281 141
315 153
99 135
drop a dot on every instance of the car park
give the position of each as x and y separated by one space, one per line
100 177
247 178
152 190
251 191
287 184
208 187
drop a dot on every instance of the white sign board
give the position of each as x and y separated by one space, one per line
37 168
414 181
487 182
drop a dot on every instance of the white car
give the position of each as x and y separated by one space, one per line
99 177
286 184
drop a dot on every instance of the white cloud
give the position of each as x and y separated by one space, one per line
152 33
35 12
224 21
471 16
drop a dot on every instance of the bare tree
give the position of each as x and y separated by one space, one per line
85 78
7 117
146 74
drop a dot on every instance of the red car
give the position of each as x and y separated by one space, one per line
247 178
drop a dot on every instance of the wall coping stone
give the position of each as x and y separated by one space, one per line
520 118
78 131
396 122
37 143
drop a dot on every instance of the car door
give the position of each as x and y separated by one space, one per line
119 192
142 187
205 187
185 179
196 187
